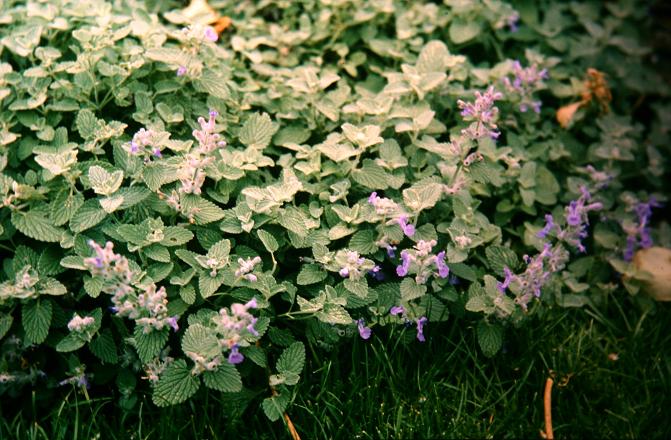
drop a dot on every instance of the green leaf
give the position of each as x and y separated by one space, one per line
334 314
158 253
499 257
225 379
93 286
423 195
480 303
176 236
36 226
257 131
36 319
294 220
51 286
87 216
292 359
200 340
256 355
371 175
103 182
70 343
149 345
363 242
269 242
64 206
188 294
411 290
310 274
358 287
490 338
208 285
104 348
461 30
5 324
274 406
175 385
86 123
203 210
213 84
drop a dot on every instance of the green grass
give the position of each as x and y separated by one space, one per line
444 388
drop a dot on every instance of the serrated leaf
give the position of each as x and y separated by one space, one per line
358 287
86 123
51 286
87 216
294 220
310 274
499 257
70 343
334 314
269 242
256 355
102 182
200 340
274 407
176 236
188 294
5 324
36 226
422 195
203 210
371 176
490 338
363 242
461 30
158 253
411 290
104 348
175 385
149 345
292 359
225 378
478 304
64 207
257 131
36 319
208 285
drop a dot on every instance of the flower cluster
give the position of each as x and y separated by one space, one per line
387 208
482 114
576 216
525 81
352 265
78 378
149 309
142 140
156 367
23 287
247 266
422 262
638 233
233 325
551 259
80 325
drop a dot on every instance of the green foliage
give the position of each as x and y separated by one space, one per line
266 203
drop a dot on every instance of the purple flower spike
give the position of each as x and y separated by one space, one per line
181 71
402 270
364 331
420 328
443 269
172 322
372 198
408 228
235 357
396 310
506 282
549 225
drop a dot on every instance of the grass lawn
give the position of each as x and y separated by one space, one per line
611 373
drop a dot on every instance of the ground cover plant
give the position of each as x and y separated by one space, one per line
213 206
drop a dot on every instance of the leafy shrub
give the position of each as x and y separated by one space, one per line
192 208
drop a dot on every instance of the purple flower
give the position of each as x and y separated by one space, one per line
181 71
364 331
396 310
506 282
420 328
549 224
172 322
211 34
134 147
251 329
512 20
391 251
373 198
376 272
454 280
157 152
235 357
408 228
402 270
573 214
251 304
344 272
482 113
443 269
